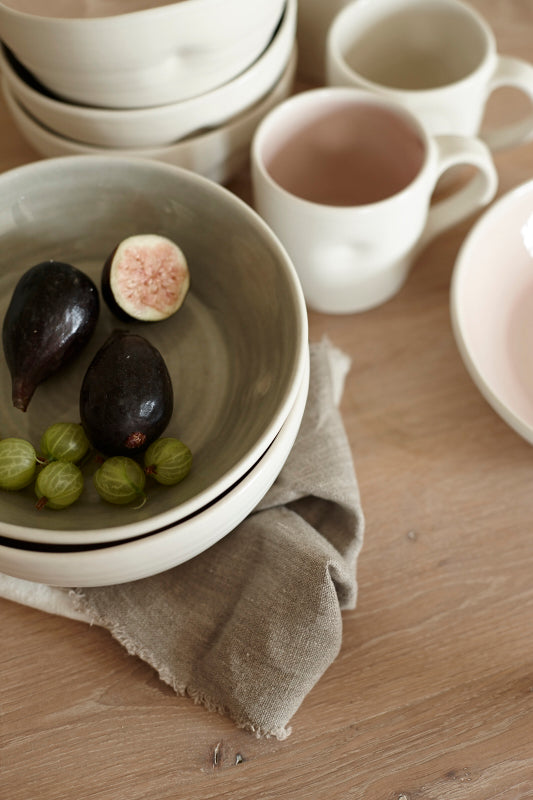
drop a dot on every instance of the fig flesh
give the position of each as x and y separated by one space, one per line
126 397
51 316
145 278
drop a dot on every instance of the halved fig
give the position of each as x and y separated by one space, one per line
145 278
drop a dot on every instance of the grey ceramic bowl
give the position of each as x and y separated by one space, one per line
236 350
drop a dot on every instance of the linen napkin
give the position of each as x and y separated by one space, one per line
249 626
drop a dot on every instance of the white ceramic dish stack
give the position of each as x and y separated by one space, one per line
218 154
240 386
152 56
208 131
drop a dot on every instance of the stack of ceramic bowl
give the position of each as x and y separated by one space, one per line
237 353
158 82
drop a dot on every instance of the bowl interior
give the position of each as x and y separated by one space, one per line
492 307
235 350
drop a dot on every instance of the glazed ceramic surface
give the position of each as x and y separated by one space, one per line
345 179
492 307
145 58
236 350
162 549
436 57
160 125
218 154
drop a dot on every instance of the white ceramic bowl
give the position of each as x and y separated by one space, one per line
492 307
160 125
218 154
163 549
149 57
236 350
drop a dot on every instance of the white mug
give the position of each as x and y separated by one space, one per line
436 57
345 179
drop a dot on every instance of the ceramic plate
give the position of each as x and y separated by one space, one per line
164 549
492 307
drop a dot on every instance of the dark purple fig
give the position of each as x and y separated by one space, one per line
51 316
145 278
126 398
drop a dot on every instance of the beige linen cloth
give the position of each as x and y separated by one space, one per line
249 626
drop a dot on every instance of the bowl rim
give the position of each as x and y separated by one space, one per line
180 9
48 98
32 129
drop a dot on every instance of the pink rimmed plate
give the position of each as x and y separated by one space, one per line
492 307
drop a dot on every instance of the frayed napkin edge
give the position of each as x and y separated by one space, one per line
71 603
78 602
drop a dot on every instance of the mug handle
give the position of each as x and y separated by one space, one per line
516 74
478 192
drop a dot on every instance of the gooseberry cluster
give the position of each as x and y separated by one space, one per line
58 475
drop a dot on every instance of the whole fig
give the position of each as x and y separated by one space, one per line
126 398
51 316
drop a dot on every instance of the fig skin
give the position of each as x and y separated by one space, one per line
145 278
126 397
51 317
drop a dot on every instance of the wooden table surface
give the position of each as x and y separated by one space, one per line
431 696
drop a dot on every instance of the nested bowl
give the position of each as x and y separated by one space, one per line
217 153
143 58
236 350
155 126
